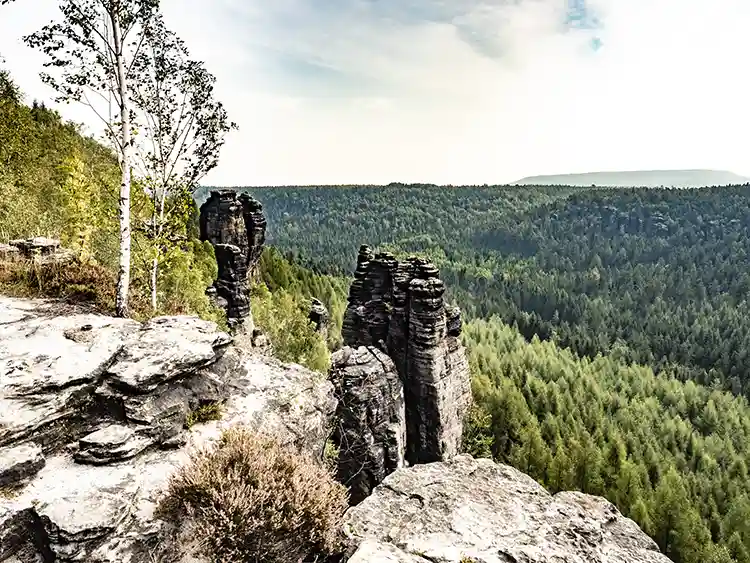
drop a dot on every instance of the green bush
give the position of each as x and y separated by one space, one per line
255 501
284 318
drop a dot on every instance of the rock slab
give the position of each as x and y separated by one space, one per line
94 420
475 510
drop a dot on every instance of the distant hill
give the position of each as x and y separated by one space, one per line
640 178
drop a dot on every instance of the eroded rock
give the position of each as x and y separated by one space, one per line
41 249
20 463
371 422
236 227
110 399
319 315
399 307
476 510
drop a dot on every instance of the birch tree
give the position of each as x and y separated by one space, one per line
181 129
91 53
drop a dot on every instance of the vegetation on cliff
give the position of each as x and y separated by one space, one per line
55 181
257 501
671 455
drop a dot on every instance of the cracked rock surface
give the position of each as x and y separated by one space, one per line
476 510
93 421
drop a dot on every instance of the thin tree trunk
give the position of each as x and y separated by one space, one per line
154 271
123 275
158 231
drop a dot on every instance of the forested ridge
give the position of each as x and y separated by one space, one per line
659 274
603 326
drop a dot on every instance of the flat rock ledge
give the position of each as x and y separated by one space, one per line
475 510
94 419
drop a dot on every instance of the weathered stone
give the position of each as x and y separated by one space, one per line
371 426
42 249
164 348
111 443
235 226
43 245
399 307
355 330
46 376
476 510
319 315
94 499
19 463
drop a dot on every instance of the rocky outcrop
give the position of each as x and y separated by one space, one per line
370 427
399 307
319 316
42 249
234 224
97 412
475 510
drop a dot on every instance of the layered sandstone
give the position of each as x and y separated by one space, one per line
96 413
236 227
400 308
370 429
475 510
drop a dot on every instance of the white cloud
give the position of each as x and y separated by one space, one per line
462 91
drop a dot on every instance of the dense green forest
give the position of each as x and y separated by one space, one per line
672 455
661 275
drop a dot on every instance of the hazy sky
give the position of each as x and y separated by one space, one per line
457 91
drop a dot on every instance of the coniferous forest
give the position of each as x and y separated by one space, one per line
606 330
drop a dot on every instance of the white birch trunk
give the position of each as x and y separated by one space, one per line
154 271
158 231
123 275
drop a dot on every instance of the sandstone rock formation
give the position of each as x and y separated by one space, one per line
319 315
370 427
42 249
235 226
475 510
94 418
399 307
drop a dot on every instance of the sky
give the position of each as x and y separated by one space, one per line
454 91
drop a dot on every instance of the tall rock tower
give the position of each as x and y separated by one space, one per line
236 227
399 308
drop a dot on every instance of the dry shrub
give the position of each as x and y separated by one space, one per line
72 281
255 500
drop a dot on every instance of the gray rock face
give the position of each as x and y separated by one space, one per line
488 513
399 307
371 423
93 414
19 463
236 227
319 315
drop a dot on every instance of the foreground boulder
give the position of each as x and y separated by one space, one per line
96 413
475 510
